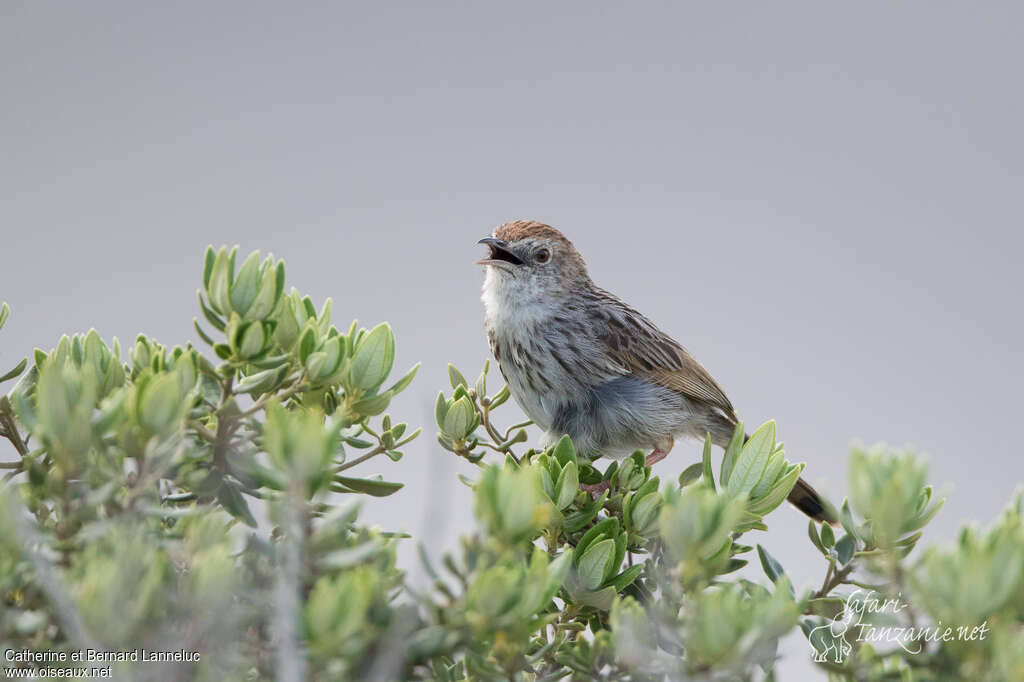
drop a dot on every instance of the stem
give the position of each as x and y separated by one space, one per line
833 578
263 401
497 449
291 660
359 460
10 427
521 425
485 419
203 432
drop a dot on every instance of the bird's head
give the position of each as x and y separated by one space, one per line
529 260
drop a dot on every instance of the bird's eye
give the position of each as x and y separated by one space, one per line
542 256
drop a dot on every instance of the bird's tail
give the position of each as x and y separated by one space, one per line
806 499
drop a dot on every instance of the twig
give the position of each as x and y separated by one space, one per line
204 432
833 578
52 586
520 425
296 387
485 419
10 426
291 663
359 460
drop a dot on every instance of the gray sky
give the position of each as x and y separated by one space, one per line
822 203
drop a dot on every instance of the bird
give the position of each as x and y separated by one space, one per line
581 362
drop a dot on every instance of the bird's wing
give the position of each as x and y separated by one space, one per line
639 348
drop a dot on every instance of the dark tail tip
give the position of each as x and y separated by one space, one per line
806 499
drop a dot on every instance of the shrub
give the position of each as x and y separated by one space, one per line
203 509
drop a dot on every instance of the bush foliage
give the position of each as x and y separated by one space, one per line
204 506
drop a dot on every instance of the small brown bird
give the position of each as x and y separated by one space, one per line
581 362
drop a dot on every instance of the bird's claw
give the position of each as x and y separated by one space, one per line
595 489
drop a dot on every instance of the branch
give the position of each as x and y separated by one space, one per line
204 432
359 460
291 661
296 387
10 426
833 578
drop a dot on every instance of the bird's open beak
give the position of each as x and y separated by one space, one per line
500 253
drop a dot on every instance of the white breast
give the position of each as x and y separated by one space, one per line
515 319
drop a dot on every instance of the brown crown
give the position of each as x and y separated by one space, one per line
521 229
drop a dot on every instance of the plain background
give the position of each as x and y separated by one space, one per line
822 202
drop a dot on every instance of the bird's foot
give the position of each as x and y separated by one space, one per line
661 450
595 489
655 457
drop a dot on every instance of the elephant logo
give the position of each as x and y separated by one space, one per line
831 637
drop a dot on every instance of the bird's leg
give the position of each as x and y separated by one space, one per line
661 450
595 489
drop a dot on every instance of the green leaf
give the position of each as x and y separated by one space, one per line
402 383
208 259
708 475
18 369
211 317
352 556
732 451
776 464
369 486
601 599
481 381
609 526
324 318
268 295
261 382
691 474
845 548
828 538
500 398
5 312
752 460
920 522
271 361
455 377
252 340
592 564
778 493
160 404
307 342
246 284
373 405
577 520
812 533
772 568
235 504
202 334
564 451
411 437
567 486
440 410
846 518
459 421
626 578
374 357
220 281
